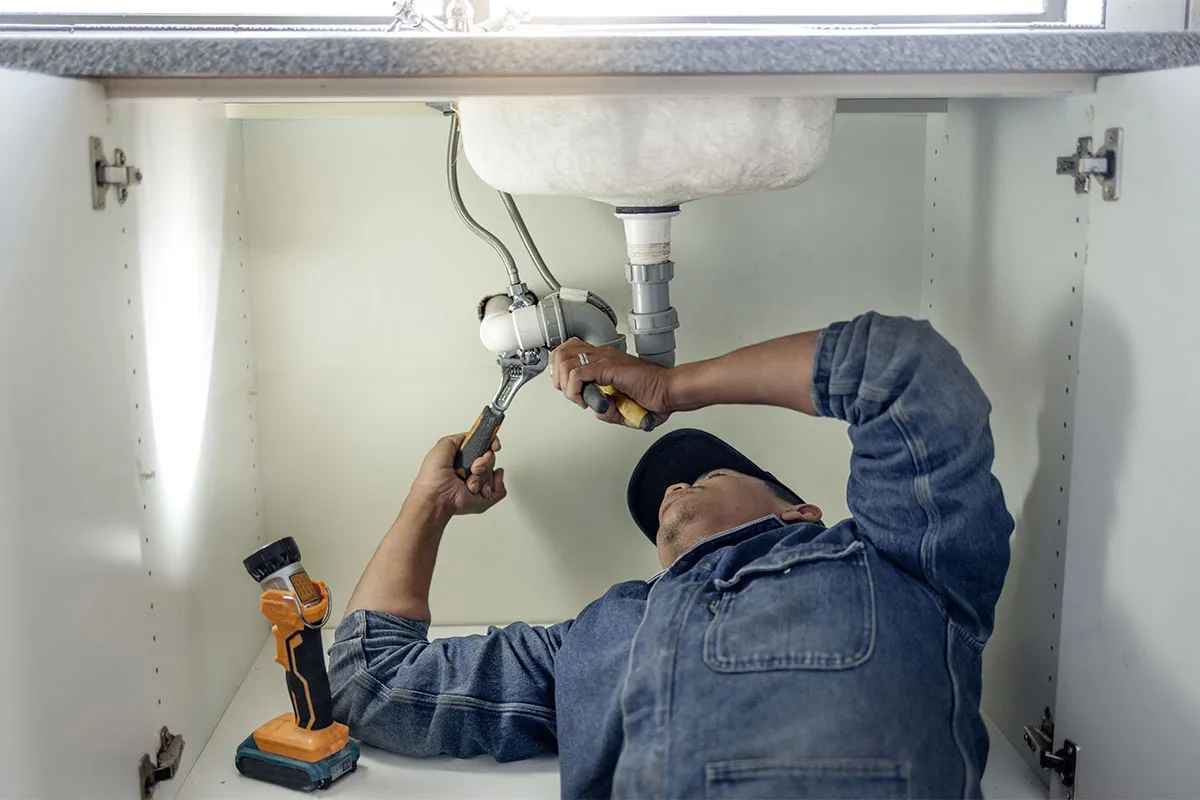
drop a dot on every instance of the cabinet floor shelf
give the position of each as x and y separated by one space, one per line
383 775
263 695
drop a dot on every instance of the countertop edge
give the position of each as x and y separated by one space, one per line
111 56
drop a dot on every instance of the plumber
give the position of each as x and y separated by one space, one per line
776 655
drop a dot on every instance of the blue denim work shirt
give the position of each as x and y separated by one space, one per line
771 660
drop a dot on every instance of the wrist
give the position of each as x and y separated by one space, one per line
427 506
685 387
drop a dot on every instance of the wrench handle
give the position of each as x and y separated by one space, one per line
597 398
478 441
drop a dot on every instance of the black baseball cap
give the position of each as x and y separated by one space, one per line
682 456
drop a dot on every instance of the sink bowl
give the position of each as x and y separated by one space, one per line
645 151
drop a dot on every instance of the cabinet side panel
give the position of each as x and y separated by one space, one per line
197 442
1003 265
75 706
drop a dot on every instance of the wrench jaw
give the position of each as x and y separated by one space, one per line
517 369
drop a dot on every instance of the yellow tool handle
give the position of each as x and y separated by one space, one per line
597 399
478 441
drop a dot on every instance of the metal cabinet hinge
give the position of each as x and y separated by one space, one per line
1104 165
152 773
1064 761
116 173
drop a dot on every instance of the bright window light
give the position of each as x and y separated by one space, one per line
380 12
548 8
215 8
780 8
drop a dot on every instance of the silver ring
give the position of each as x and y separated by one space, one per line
583 359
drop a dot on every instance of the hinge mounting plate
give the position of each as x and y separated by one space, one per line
163 767
1104 165
116 173
1064 761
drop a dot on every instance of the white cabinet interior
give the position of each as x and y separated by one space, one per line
365 288
194 405
301 301
1003 265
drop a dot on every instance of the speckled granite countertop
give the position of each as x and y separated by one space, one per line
383 55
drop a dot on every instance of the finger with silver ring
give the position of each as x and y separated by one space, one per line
583 359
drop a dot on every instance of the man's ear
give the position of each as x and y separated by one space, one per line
803 513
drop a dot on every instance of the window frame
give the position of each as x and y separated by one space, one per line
1054 14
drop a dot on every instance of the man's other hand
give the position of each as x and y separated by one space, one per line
437 484
607 366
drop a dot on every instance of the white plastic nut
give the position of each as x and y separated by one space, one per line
650 273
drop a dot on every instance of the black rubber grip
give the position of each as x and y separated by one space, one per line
308 681
596 400
478 442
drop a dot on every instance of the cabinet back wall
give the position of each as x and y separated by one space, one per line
365 285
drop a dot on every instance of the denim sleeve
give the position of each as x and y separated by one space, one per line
463 696
921 488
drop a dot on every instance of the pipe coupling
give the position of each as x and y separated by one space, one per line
661 272
657 322
552 321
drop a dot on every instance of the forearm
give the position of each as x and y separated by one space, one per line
399 693
774 373
396 581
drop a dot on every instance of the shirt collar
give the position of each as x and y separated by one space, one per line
653 579
732 536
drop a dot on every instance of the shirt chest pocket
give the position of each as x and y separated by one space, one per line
811 609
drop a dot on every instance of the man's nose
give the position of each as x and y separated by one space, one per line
675 486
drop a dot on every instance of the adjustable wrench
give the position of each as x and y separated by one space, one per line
516 369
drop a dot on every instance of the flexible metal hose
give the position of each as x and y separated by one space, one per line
599 303
535 255
514 277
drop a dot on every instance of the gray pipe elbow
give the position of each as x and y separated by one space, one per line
585 321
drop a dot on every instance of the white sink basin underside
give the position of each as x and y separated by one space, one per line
645 151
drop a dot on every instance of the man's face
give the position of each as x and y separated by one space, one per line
717 501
